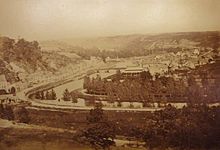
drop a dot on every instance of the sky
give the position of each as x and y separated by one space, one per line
59 19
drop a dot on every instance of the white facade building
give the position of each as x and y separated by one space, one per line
132 71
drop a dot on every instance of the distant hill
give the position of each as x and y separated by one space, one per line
137 44
108 43
137 41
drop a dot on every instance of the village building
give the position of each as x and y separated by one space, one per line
132 72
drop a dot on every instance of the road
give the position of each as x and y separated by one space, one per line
75 84
54 104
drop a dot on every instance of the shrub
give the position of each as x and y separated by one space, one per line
21 114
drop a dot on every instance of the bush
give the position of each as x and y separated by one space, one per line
21 114
8 112
1 111
100 133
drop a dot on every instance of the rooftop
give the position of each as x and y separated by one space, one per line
133 70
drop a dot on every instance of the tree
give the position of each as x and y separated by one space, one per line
8 113
146 75
74 97
100 135
151 136
96 114
13 90
157 86
170 86
98 78
86 83
47 96
7 48
28 52
38 95
2 111
21 114
118 75
66 95
195 94
53 95
42 96
100 132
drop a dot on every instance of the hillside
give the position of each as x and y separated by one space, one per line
108 43
165 40
137 44
24 57
49 56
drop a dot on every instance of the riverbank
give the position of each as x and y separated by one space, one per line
19 136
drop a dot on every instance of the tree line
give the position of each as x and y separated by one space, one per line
146 89
48 95
137 89
17 113
20 50
51 95
194 126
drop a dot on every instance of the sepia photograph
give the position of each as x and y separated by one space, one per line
109 74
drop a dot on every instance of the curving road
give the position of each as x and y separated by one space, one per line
73 84
55 105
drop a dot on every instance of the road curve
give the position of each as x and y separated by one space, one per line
76 82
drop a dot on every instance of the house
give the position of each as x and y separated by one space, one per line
132 72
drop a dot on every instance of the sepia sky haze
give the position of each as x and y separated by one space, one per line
59 19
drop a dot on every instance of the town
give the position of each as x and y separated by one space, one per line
129 85
109 75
